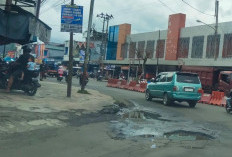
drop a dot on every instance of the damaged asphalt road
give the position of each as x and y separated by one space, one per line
20 128
130 127
23 128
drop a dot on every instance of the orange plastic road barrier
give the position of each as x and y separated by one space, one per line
142 87
123 83
205 98
131 85
136 88
217 98
110 82
115 83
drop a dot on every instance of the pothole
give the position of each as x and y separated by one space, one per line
147 136
182 135
139 114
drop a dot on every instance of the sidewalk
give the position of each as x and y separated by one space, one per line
48 108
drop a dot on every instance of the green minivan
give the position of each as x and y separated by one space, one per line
175 86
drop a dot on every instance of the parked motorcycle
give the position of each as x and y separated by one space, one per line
59 77
99 78
29 85
229 103
92 75
78 75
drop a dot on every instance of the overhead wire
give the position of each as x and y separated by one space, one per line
202 13
54 6
164 4
167 6
196 8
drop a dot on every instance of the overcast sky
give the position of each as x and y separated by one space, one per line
144 15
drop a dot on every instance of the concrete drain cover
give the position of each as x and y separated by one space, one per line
181 135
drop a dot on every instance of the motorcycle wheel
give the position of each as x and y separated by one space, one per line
3 84
59 79
227 110
32 91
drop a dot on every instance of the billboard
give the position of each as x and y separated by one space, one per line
71 18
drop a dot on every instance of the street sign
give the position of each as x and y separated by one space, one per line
71 18
82 56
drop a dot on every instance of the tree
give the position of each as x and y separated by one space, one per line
140 53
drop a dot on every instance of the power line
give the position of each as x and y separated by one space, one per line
125 10
54 6
196 8
166 6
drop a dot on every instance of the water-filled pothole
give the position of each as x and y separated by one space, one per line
139 114
182 135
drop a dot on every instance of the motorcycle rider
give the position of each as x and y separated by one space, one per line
19 66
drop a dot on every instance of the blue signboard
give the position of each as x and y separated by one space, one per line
82 56
71 18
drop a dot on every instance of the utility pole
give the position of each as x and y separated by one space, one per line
158 52
108 18
8 5
105 18
216 29
88 43
70 65
7 8
38 8
103 30
128 77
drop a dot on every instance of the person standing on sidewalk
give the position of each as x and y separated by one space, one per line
42 70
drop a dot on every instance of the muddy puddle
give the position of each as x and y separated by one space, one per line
140 114
182 135
145 123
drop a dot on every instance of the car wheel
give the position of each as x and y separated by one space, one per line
192 104
166 100
148 96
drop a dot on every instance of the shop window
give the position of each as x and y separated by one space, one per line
160 48
132 50
124 48
141 46
227 46
183 47
211 41
150 48
197 47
